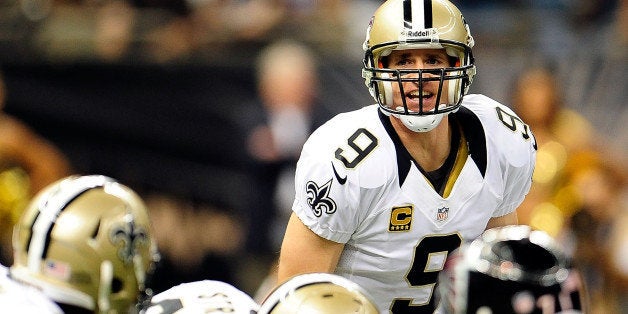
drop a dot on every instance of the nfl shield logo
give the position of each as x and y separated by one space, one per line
442 213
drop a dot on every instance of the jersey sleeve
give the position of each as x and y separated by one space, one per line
330 198
517 187
518 159
321 202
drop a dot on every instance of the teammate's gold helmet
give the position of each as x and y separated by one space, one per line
318 293
85 241
418 24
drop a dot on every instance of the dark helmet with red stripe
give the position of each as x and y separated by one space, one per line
418 24
511 269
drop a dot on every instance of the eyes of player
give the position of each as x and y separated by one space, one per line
409 61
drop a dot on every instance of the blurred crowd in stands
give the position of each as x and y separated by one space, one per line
561 65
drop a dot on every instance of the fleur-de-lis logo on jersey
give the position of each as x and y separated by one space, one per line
318 198
130 236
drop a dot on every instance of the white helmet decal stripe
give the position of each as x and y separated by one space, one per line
419 18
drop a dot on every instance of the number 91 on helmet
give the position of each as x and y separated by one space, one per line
511 269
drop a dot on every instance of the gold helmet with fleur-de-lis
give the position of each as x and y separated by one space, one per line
86 242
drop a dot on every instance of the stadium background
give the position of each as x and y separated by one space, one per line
174 120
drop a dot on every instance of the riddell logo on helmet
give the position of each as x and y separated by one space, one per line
420 33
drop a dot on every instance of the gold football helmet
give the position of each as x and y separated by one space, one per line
86 242
424 24
318 293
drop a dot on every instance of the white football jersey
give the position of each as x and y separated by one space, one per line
206 296
19 298
356 184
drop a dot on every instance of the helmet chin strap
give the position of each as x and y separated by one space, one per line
419 123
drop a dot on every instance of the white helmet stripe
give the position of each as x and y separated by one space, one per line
418 17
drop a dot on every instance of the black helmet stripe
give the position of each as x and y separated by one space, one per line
409 20
407 13
427 13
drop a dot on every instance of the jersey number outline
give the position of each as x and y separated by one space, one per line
420 276
511 121
361 153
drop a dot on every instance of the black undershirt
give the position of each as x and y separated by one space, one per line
438 177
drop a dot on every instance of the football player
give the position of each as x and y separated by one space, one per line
385 192
86 242
511 269
320 293
206 296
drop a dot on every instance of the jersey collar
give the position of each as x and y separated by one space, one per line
471 127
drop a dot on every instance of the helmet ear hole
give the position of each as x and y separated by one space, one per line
116 285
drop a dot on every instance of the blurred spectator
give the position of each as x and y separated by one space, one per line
165 30
577 189
288 90
180 31
242 27
114 31
113 38
28 163
287 110
86 30
598 189
618 250
559 132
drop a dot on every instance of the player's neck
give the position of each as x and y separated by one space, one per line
429 149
